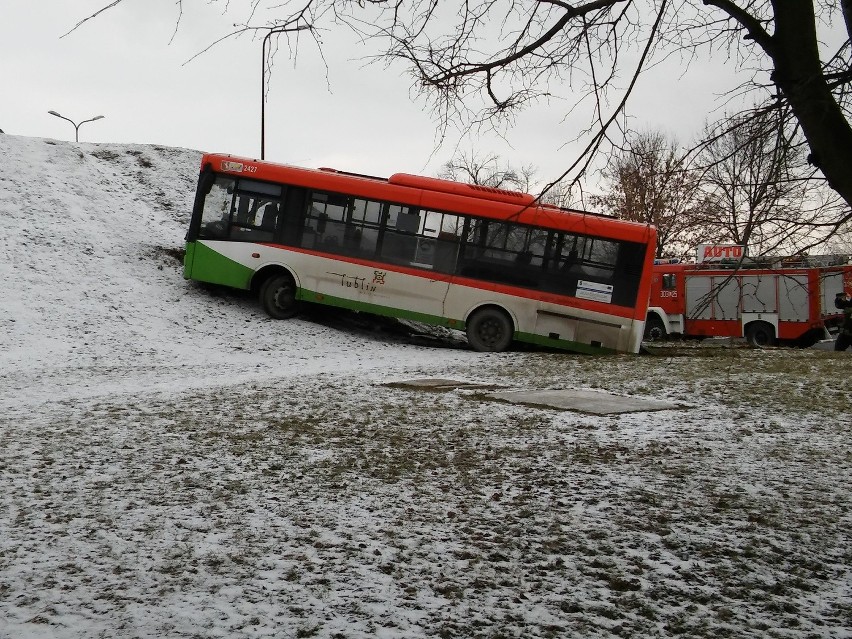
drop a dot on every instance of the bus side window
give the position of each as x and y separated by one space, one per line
408 222
291 215
324 222
628 272
362 229
449 231
256 219
502 252
399 243
268 222
242 216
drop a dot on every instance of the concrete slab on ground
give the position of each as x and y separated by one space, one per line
440 384
583 401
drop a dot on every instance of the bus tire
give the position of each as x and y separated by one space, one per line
760 334
489 330
278 296
655 330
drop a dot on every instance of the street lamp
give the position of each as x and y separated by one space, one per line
292 27
76 126
263 85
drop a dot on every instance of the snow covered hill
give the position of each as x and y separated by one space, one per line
87 229
90 259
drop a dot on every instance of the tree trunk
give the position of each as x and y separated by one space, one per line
846 6
798 74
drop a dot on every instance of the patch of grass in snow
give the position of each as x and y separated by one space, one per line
106 154
144 162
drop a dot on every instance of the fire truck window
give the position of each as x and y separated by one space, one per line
669 282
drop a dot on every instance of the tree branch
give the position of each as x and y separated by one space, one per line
749 22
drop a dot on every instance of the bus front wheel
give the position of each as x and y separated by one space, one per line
278 296
489 330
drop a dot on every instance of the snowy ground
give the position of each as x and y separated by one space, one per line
174 464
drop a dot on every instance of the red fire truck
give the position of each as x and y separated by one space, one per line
790 301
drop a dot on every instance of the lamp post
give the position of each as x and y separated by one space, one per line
263 87
76 126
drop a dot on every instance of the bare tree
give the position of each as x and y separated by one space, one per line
651 182
483 60
759 187
491 171
588 44
487 171
841 243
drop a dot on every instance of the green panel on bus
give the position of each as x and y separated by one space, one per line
206 265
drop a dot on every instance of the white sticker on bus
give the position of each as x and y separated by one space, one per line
236 167
594 291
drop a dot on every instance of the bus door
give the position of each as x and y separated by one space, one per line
417 251
375 256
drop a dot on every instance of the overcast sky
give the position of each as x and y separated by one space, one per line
127 66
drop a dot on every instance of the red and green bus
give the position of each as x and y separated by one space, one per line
491 262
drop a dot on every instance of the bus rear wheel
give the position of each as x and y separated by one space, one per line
278 297
489 330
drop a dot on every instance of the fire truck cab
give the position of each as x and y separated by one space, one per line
761 302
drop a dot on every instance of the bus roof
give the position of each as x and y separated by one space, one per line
435 194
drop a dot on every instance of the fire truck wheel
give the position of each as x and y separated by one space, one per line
278 297
489 330
655 330
759 334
